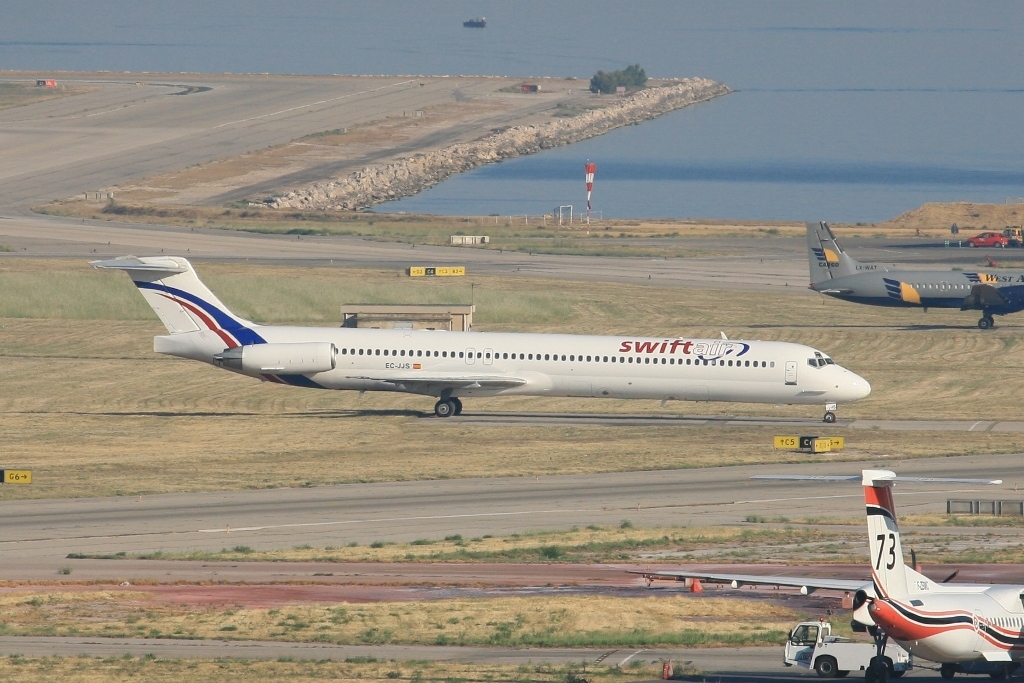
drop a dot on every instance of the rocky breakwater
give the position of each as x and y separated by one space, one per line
371 186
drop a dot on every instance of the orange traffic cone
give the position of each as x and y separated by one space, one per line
695 587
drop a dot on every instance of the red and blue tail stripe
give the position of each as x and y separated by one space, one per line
228 328
232 332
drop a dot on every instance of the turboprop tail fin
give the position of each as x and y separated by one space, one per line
887 567
819 261
171 287
826 259
891 576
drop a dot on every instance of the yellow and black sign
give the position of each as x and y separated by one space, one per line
787 442
16 476
812 443
821 445
437 271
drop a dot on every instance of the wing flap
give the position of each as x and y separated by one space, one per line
488 381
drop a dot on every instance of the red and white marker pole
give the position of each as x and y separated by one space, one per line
589 169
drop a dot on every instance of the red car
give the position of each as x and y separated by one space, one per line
989 239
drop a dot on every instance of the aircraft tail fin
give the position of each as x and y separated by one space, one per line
888 569
181 300
826 258
818 260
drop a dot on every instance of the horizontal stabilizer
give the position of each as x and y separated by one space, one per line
150 264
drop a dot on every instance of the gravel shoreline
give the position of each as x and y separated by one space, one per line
370 186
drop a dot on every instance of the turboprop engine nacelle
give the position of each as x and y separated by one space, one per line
861 601
304 358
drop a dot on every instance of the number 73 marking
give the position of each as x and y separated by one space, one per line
881 538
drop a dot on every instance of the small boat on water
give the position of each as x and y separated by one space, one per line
475 23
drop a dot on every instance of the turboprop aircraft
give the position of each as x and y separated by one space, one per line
455 365
967 628
836 273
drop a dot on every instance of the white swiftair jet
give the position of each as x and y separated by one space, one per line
969 628
455 365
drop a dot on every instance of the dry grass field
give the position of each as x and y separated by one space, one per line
820 541
90 408
16 94
17 669
591 545
537 235
544 621
534 234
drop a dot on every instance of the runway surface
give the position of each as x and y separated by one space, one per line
740 264
647 420
87 239
37 535
733 659
727 664
122 131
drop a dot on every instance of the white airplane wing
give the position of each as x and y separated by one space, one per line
447 380
806 584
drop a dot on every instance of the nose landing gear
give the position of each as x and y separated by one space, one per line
830 415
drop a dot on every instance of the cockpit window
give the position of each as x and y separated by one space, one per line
829 361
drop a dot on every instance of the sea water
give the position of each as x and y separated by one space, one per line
842 111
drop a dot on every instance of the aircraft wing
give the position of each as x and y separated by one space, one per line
806 584
448 380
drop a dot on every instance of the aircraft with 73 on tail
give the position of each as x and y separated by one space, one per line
966 628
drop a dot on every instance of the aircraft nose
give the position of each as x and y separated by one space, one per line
855 387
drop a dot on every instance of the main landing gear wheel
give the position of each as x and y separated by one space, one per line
986 322
829 418
445 408
947 671
458 405
877 672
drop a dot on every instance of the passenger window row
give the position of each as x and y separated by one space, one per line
942 285
647 360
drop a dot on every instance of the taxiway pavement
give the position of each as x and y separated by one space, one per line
37 535
121 131
709 659
648 420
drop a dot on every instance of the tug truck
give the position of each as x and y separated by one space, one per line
812 646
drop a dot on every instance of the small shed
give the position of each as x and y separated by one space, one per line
469 240
451 317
